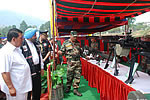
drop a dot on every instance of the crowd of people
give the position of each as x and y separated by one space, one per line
24 57
23 61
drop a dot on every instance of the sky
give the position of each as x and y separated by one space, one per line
41 9
143 17
36 8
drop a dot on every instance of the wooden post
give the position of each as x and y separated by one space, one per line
53 36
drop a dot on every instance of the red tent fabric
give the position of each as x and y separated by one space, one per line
87 28
89 16
92 11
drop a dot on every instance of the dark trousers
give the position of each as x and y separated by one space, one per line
36 87
45 64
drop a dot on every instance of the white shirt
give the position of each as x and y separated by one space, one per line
34 53
13 61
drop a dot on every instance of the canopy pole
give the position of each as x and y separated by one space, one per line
126 28
54 65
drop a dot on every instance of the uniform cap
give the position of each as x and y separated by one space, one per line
73 33
29 33
43 32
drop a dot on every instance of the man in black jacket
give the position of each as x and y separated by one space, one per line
31 51
45 48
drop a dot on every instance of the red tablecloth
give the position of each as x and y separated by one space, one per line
109 87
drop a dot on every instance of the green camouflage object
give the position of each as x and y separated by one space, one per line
94 45
73 33
145 64
73 72
72 51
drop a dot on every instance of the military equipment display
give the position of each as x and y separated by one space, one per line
96 54
112 50
138 47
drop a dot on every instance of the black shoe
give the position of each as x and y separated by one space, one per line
76 92
67 90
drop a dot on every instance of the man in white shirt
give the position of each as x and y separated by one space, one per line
31 51
15 78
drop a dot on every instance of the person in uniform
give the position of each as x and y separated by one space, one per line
31 51
15 78
94 44
45 48
93 48
146 61
145 65
71 49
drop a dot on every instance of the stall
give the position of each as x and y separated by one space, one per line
88 17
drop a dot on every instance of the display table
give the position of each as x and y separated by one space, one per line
109 86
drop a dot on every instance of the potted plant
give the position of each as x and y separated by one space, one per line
55 81
44 82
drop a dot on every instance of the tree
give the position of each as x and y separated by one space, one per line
13 26
4 31
141 26
131 22
114 30
45 26
23 26
34 26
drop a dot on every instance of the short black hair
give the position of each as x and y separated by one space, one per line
13 33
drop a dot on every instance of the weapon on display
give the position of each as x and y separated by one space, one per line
112 50
96 54
140 48
112 40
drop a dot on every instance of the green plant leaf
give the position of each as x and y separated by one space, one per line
59 80
56 74
64 65
44 83
45 86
